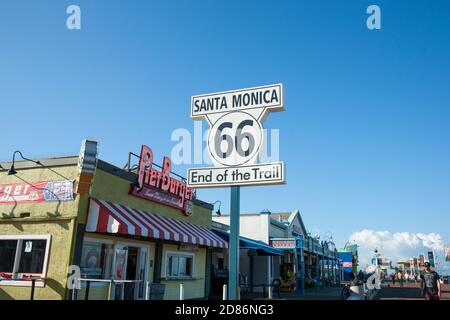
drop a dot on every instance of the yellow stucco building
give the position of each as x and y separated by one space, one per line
131 232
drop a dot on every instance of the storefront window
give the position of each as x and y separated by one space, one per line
179 265
23 257
7 254
32 256
96 260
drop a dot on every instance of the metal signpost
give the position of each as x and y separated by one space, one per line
299 245
235 140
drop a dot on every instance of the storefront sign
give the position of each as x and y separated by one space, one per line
159 186
42 191
287 243
235 137
188 247
346 264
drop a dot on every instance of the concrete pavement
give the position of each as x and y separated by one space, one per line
409 291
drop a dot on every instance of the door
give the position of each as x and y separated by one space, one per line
119 269
131 274
142 273
130 263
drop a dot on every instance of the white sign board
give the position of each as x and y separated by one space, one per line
265 97
259 174
235 137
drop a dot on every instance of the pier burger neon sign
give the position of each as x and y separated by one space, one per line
159 186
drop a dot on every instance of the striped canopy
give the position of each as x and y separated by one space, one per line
109 217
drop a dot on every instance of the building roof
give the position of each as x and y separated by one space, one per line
278 218
46 162
73 160
290 217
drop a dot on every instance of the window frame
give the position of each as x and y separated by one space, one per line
179 254
15 273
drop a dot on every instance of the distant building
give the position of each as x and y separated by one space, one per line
318 263
349 260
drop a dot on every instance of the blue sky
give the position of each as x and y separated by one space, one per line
365 135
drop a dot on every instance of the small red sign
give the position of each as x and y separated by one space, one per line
41 191
283 244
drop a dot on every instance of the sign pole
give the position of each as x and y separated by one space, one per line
233 274
233 118
302 273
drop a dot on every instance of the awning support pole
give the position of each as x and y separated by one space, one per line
181 291
233 278
302 273
224 292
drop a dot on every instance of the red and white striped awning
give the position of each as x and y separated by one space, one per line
108 217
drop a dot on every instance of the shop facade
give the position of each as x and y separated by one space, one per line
349 261
37 233
256 263
305 261
130 231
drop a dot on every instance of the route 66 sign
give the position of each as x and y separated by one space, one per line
235 137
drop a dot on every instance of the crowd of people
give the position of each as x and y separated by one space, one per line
430 282
401 278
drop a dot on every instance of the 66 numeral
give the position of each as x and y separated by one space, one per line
236 142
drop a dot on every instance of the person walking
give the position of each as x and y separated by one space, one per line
430 283
393 279
400 279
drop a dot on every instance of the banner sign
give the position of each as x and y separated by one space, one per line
159 186
188 247
347 264
168 199
288 243
35 192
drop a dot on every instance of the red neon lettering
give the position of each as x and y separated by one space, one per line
157 179
153 178
144 163
167 167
